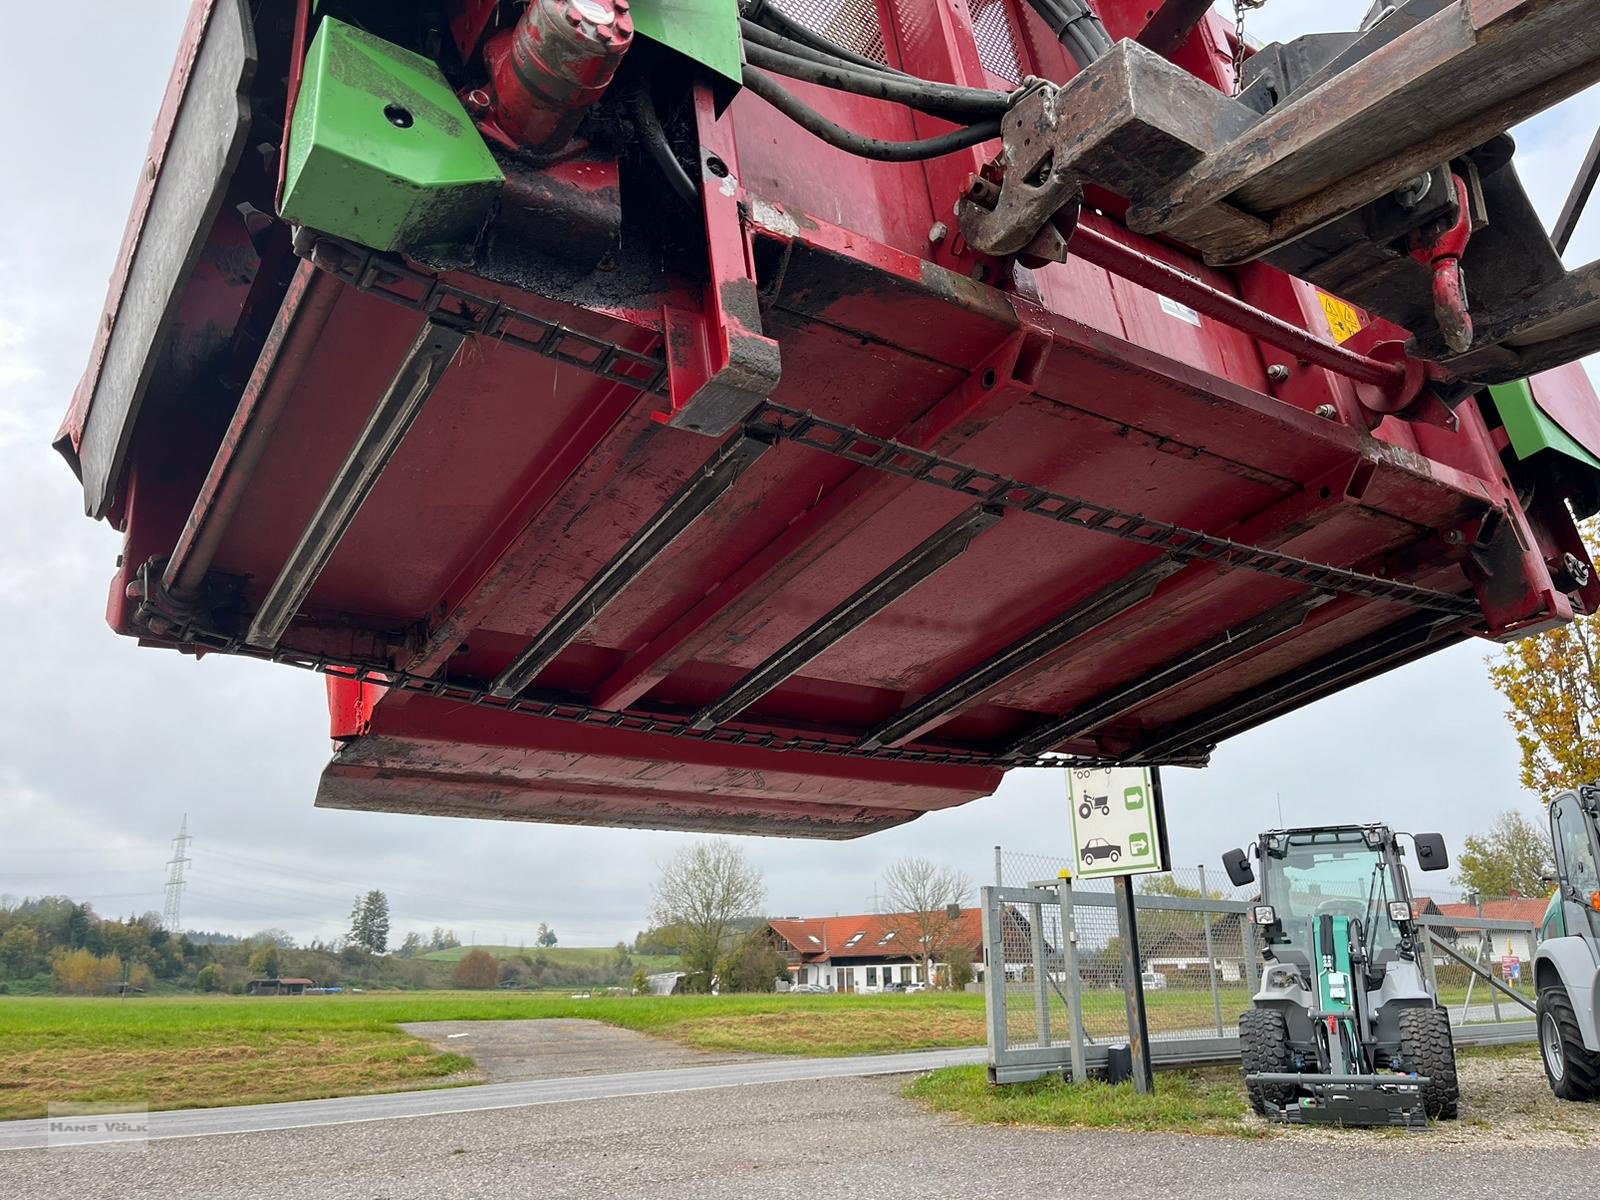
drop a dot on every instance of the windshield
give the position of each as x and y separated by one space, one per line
1333 873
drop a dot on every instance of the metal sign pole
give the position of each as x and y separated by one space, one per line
1133 986
1069 946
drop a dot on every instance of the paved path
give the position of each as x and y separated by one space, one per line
820 1137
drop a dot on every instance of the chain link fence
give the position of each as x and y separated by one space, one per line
1054 959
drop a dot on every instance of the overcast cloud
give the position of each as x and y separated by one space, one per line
104 747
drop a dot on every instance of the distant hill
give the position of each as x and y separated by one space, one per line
565 956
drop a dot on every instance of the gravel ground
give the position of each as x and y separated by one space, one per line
841 1136
510 1051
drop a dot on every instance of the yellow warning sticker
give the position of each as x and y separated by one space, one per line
1342 319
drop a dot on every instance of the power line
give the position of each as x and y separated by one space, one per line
170 916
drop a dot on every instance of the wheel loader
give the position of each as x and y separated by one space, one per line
1345 1028
1564 966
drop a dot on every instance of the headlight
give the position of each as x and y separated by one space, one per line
1399 910
1263 914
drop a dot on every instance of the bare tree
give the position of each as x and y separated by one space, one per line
922 903
702 891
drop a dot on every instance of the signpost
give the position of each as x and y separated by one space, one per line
1119 830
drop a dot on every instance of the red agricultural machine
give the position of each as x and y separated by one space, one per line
787 416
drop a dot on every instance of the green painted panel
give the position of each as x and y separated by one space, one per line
381 151
1330 999
1531 428
705 30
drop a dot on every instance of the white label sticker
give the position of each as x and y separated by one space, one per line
1182 311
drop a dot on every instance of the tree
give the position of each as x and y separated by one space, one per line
753 965
369 922
264 962
1551 682
477 969
85 973
959 960
922 908
141 978
641 982
702 891
546 936
412 946
1511 856
443 939
1168 885
209 978
19 951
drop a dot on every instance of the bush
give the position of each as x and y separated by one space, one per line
85 973
141 977
477 969
754 965
641 982
209 978
960 967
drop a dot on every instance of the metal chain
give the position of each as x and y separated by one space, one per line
1240 7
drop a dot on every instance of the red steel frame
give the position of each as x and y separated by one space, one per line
836 288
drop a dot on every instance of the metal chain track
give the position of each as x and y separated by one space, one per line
574 712
989 487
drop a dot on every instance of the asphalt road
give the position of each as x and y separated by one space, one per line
839 1136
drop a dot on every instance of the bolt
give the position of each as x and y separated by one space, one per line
1453 537
1327 412
1277 372
937 232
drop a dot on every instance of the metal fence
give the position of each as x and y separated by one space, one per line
1053 963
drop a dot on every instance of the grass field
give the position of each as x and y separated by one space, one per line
198 1051
566 956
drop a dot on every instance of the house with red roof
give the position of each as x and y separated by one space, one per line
1511 942
874 952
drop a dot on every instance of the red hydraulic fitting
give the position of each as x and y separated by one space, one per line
1442 252
548 69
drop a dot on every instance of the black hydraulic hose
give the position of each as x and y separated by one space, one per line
938 98
753 31
859 144
1080 31
772 18
659 148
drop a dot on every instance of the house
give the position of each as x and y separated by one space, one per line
278 987
869 952
1175 952
1515 943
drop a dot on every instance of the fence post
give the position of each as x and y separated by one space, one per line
1069 948
1041 978
1211 958
999 869
1247 939
994 972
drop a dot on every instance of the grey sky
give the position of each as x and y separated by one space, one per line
104 747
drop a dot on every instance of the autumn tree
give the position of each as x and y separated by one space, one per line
1552 688
702 891
85 973
477 969
264 962
546 936
1512 856
922 903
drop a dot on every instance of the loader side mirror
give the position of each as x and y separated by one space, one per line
1431 854
1238 867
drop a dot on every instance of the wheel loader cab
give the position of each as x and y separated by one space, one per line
1307 875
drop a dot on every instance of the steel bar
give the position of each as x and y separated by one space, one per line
691 502
1227 645
913 568
1567 221
1476 969
1211 958
300 321
1105 251
1171 24
419 373
1069 945
990 487
1027 650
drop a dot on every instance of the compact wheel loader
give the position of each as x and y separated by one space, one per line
1345 1028
1565 964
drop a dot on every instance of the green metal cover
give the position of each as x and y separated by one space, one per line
380 150
706 31
1340 951
1531 428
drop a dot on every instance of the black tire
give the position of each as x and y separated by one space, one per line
1576 1073
1427 1048
1264 1047
1083 811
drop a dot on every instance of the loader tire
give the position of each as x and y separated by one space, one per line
1427 1048
1573 1071
1264 1046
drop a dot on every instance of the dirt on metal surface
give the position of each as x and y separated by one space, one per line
558 1048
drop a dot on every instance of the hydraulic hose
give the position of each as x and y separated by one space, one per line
772 18
1080 31
941 99
752 31
859 144
659 148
